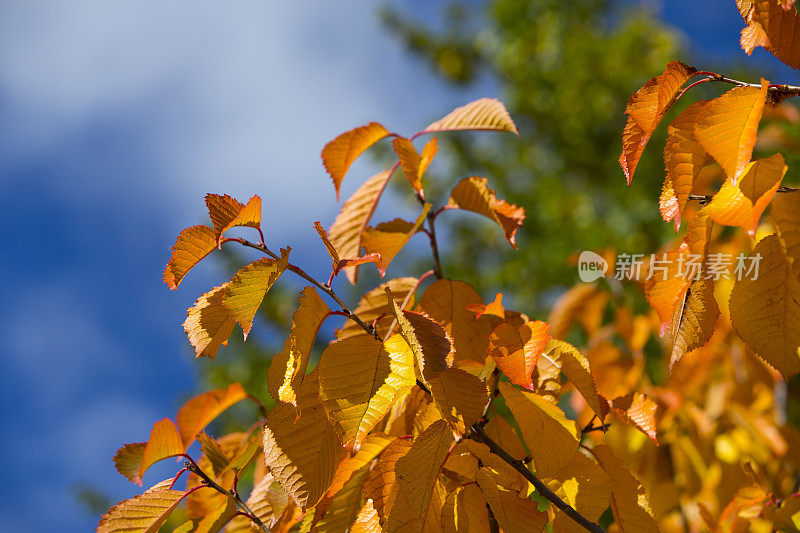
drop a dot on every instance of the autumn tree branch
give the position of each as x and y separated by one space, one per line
437 264
706 198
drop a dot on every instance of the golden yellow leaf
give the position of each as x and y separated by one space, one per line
575 367
374 304
288 368
339 154
464 511
482 114
765 309
645 110
344 505
629 503
403 518
694 319
639 411
472 194
460 397
360 378
381 484
145 513
372 446
367 520
447 301
388 238
345 233
203 408
192 246
164 441
227 213
584 486
418 469
743 205
684 157
412 163
726 127
247 288
513 514
267 501
785 214
773 27
500 431
551 437
583 303
209 323
302 453
217 518
516 350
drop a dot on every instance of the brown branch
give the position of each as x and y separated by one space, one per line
478 434
437 264
791 90
705 198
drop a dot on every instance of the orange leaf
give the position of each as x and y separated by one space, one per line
513 514
785 214
145 513
472 194
575 367
638 410
418 469
583 303
339 263
288 368
164 441
339 154
482 114
246 290
668 205
203 408
684 157
773 26
664 290
693 322
500 431
209 323
381 484
628 500
645 110
516 350
743 205
227 213
765 308
409 161
372 446
388 238
128 461
367 520
460 397
465 510
345 233
192 246
726 127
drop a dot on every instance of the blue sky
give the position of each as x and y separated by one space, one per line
117 118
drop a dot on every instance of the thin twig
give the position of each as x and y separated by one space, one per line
477 433
437 264
773 87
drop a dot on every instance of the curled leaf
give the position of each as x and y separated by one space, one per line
227 213
200 410
192 246
482 114
339 154
472 194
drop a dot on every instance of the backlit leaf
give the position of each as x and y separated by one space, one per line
472 194
726 127
345 233
192 246
516 350
465 511
381 484
785 214
414 164
302 453
629 503
164 441
213 452
694 319
145 513
338 263
203 408
403 518
267 501
247 288
388 238
575 367
583 303
372 446
344 506
503 434
209 323
775 28
339 154
374 304
743 205
288 368
460 397
447 302
367 520
551 437
513 514
360 378
482 114
684 157
128 461
418 469
645 110
217 518
638 410
585 486
765 311
227 213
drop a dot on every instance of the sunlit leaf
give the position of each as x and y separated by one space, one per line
465 511
684 157
192 246
503 434
145 513
629 503
381 484
638 410
575 367
209 323
513 514
403 518
645 110
374 304
743 205
460 397
217 518
694 319
372 446
164 441
388 238
785 214
247 288
288 368
203 408
585 486
551 437
339 154
417 470
367 520
227 213
765 309
339 263
267 501
726 127
412 163
128 461
516 350
473 194
360 378
774 27
344 505
302 453
482 114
